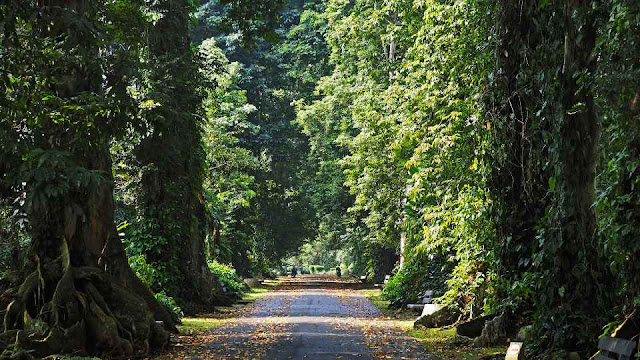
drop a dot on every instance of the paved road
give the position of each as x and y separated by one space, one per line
304 320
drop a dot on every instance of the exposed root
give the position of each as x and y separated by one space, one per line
14 317
87 312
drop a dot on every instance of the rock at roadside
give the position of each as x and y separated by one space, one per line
495 332
253 282
524 333
429 309
514 352
473 328
441 317
159 336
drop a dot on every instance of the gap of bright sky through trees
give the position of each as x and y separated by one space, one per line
155 153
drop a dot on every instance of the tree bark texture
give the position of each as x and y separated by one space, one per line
577 281
518 180
172 154
79 294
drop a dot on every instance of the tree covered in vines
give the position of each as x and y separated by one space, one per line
474 131
82 83
171 156
64 76
485 150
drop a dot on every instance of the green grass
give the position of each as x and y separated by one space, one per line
197 325
444 344
375 296
194 325
254 294
440 342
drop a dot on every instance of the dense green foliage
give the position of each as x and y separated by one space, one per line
400 125
471 130
263 213
489 151
84 84
227 274
618 102
65 75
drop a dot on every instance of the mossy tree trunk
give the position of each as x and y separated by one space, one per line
172 155
79 294
519 176
629 212
574 302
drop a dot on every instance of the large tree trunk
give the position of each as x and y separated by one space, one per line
385 260
519 180
79 294
172 156
575 303
240 261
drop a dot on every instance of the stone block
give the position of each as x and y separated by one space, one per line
252 282
440 317
514 352
430 309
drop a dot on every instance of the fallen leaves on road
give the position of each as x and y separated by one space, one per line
275 320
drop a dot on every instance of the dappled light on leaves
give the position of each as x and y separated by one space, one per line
466 168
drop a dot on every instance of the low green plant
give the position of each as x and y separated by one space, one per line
444 344
227 274
420 273
170 304
145 271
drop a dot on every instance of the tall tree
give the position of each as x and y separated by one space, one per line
275 72
618 105
519 175
78 293
522 106
546 133
230 187
573 258
171 154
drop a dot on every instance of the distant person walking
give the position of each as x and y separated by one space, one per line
338 271
294 272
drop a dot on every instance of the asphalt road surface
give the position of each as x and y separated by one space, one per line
309 317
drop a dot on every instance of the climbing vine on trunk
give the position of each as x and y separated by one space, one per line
78 292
